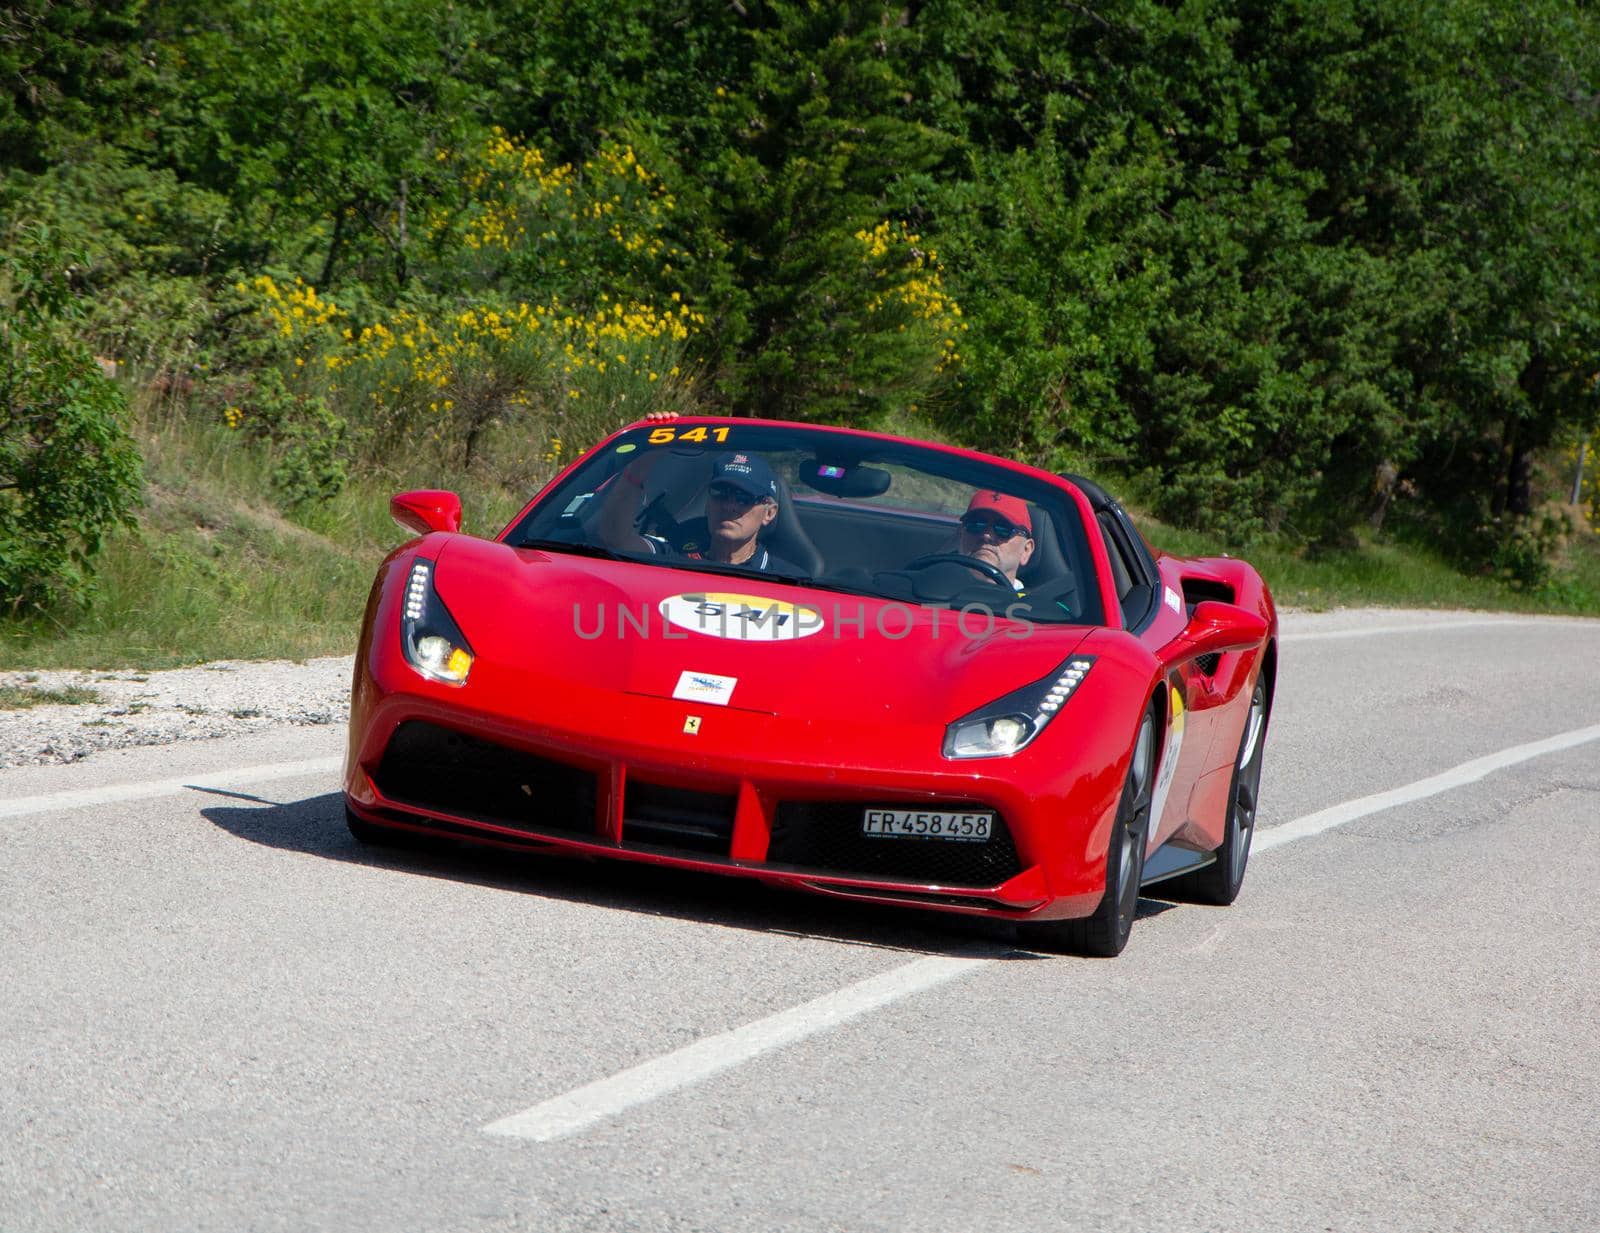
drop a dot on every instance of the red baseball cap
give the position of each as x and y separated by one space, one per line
1013 509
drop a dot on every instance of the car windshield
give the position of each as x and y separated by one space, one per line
826 509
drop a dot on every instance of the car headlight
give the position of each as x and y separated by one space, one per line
1009 723
433 642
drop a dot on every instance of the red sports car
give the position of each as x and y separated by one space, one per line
838 661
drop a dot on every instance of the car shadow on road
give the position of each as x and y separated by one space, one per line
315 826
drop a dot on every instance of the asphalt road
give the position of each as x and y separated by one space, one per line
216 1012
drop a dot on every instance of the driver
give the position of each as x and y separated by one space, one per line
998 529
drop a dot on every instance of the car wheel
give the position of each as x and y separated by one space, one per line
1106 931
1220 881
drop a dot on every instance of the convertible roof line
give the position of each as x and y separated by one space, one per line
1099 499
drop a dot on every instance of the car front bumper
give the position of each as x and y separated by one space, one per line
748 794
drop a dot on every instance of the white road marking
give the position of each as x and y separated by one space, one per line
1434 627
566 1115
113 793
1455 777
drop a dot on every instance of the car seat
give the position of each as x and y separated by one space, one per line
787 538
1047 568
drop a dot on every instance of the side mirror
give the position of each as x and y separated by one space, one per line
1216 627
426 509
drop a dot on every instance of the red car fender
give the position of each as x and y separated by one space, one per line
1097 729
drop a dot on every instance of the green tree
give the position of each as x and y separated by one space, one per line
826 134
70 71
321 122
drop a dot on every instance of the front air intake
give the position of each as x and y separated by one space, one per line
437 768
656 816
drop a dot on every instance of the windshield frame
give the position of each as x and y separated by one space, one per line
591 473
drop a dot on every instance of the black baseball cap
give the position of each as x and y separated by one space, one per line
746 472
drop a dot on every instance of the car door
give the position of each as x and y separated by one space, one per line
1153 611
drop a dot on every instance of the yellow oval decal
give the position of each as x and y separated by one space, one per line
743 618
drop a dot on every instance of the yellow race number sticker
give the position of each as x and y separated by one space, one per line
666 436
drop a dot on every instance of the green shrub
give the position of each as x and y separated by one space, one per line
69 472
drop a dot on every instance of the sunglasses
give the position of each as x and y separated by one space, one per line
730 495
998 527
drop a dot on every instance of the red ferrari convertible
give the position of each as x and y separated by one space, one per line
837 661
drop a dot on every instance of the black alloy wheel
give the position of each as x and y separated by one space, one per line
1219 882
1105 932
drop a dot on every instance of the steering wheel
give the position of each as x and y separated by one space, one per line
993 573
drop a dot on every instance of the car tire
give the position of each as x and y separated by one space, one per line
1105 932
1219 882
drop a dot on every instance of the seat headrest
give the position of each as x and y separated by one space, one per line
1047 563
787 538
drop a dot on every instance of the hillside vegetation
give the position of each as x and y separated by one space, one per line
1316 280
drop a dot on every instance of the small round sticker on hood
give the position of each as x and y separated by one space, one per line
742 618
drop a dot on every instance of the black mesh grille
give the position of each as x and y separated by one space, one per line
657 816
450 772
1207 663
826 835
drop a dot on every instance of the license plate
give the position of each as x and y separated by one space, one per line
927 824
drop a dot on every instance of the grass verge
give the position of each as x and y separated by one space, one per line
215 571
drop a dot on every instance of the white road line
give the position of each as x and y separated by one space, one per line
1370 631
113 793
565 1115
1455 777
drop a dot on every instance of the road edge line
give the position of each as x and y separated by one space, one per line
113 793
1457 776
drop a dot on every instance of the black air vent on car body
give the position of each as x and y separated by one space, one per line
825 836
1208 663
1197 589
656 816
449 772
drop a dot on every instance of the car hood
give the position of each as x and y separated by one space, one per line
551 618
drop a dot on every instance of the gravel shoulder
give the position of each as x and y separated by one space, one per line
226 698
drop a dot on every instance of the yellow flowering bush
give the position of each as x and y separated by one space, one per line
522 219
449 376
295 311
469 370
911 282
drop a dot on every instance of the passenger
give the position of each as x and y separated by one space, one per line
998 530
741 503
